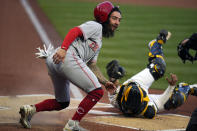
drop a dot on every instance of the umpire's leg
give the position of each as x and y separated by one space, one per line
192 125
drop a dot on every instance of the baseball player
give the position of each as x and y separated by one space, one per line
75 61
133 98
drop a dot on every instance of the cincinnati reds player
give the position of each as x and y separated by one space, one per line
75 61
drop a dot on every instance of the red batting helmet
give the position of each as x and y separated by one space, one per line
102 11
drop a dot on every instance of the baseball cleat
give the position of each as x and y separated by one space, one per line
26 112
73 126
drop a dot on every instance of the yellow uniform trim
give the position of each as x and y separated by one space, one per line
147 100
141 93
183 96
159 56
152 43
160 41
155 67
192 91
144 110
150 54
184 84
126 93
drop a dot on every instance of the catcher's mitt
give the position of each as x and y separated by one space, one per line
114 70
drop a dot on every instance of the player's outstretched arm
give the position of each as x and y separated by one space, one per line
160 100
95 69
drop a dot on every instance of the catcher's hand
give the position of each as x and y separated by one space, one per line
173 79
114 70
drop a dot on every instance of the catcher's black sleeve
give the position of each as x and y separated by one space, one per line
192 43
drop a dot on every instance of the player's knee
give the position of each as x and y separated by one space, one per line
150 112
64 104
157 68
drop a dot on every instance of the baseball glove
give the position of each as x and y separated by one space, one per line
114 70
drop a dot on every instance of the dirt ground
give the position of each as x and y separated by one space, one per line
23 74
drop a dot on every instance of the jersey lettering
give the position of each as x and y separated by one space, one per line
94 46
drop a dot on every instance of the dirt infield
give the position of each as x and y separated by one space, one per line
22 74
101 114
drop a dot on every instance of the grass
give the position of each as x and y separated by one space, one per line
139 25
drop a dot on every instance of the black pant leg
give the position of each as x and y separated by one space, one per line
192 125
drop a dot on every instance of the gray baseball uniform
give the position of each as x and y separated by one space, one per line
74 68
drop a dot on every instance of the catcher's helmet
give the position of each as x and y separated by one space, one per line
133 97
102 11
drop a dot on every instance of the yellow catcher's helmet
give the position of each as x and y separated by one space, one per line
134 99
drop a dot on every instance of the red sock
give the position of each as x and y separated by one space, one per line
87 103
48 105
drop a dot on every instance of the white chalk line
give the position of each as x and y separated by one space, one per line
45 39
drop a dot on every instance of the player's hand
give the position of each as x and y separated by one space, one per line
59 56
110 87
173 79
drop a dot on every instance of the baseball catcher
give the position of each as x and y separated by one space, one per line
184 47
132 97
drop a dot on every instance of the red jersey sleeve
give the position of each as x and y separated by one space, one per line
71 36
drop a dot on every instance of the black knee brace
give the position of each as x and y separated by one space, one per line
64 104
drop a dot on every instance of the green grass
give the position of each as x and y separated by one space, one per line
139 25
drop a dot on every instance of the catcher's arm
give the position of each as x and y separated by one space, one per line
160 100
95 69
